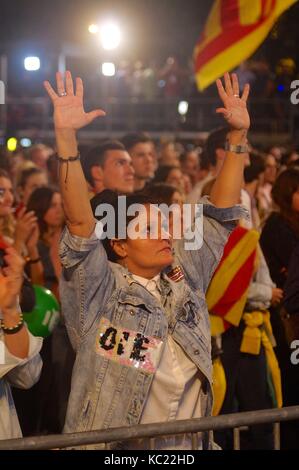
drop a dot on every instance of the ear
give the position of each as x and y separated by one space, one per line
96 173
220 154
119 247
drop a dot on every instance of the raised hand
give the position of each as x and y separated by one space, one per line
235 108
68 106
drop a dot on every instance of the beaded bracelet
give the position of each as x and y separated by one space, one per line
11 330
67 160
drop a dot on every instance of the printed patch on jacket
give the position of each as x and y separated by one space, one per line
176 274
127 347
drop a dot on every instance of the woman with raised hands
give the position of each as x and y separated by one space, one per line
135 307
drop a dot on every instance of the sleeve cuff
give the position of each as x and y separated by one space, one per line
73 249
228 214
35 344
76 243
11 361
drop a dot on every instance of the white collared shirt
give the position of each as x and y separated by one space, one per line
176 387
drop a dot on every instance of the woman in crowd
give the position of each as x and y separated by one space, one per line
20 363
21 232
279 239
39 409
140 321
170 175
281 231
164 193
58 355
46 203
31 179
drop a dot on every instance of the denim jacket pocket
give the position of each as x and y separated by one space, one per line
133 310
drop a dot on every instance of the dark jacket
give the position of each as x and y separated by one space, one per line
291 290
278 241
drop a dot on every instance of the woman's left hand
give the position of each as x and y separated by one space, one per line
26 222
235 107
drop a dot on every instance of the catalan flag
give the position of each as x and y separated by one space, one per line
227 293
233 31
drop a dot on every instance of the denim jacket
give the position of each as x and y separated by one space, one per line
118 328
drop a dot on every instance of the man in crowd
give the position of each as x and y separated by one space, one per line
213 157
109 166
141 150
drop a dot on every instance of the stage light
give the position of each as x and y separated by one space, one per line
32 64
110 35
12 144
93 28
25 142
183 108
108 69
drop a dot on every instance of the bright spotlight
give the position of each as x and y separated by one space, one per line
108 69
93 28
32 63
25 142
12 144
183 108
110 36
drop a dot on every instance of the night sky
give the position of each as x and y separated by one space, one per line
152 29
150 26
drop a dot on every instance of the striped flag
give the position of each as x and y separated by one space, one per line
233 32
227 292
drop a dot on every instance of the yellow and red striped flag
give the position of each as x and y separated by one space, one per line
233 31
227 292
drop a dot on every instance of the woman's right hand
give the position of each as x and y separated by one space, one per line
69 111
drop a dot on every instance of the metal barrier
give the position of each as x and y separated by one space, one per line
194 426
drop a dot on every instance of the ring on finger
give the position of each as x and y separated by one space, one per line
63 93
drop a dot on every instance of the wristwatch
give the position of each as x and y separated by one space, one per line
236 148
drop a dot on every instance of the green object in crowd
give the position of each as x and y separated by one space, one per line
42 320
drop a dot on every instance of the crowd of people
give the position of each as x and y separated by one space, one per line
152 298
150 81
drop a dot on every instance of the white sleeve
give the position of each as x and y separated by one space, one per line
22 373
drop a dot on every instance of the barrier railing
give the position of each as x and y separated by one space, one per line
194 426
274 115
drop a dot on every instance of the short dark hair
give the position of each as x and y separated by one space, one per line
216 140
97 157
130 140
256 167
111 197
